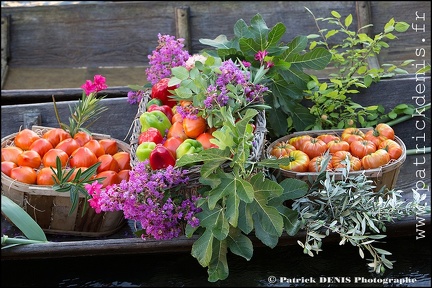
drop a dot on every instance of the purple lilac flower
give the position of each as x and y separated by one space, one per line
134 97
168 54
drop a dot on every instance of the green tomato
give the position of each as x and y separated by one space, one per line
144 149
188 146
156 119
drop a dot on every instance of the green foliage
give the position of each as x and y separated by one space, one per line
333 107
238 198
22 221
285 78
352 209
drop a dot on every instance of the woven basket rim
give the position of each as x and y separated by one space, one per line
390 166
45 190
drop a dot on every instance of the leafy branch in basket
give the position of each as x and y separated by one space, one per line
86 109
333 107
351 208
74 182
238 198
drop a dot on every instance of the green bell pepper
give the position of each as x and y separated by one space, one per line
188 146
156 119
144 149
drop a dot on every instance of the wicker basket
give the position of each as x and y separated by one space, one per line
194 172
50 209
385 175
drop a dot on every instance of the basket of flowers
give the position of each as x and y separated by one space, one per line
182 113
45 170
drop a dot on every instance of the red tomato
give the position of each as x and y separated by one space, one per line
7 166
193 127
172 144
123 160
111 178
95 147
82 157
361 148
339 159
29 158
56 135
327 137
23 174
82 137
316 163
10 153
41 146
25 138
177 130
299 161
374 136
338 145
298 141
314 147
375 159
110 146
45 176
50 158
392 147
281 149
204 139
124 174
350 134
75 172
68 145
107 163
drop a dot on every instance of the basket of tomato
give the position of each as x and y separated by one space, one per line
27 177
375 151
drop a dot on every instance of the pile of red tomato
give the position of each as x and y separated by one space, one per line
30 157
365 150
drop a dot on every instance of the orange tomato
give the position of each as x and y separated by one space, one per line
340 158
24 174
50 158
338 145
177 117
111 178
107 163
10 153
177 130
314 147
281 149
82 157
29 158
45 176
25 138
315 164
41 146
327 137
123 160
172 144
193 127
56 135
375 159
361 148
298 141
82 137
204 139
392 147
95 147
7 166
68 145
110 146
351 134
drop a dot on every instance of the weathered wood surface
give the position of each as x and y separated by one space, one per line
89 38
123 242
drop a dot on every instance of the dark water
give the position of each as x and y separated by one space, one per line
413 265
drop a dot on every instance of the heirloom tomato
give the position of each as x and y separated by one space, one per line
327 137
123 160
315 164
339 160
298 141
45 176
361 148
176 130
385 130
193 127
50 158
338 145
41 146
107 162
24 138
10 153
29 158
82 137
82 157
350 134
96 147
56 135
299 161
110 146
7 166
376 159
314 147
392 147
281 149
68 145
23 174
374 136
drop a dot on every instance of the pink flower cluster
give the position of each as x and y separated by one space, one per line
97 85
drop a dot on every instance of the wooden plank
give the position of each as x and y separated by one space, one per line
4 48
